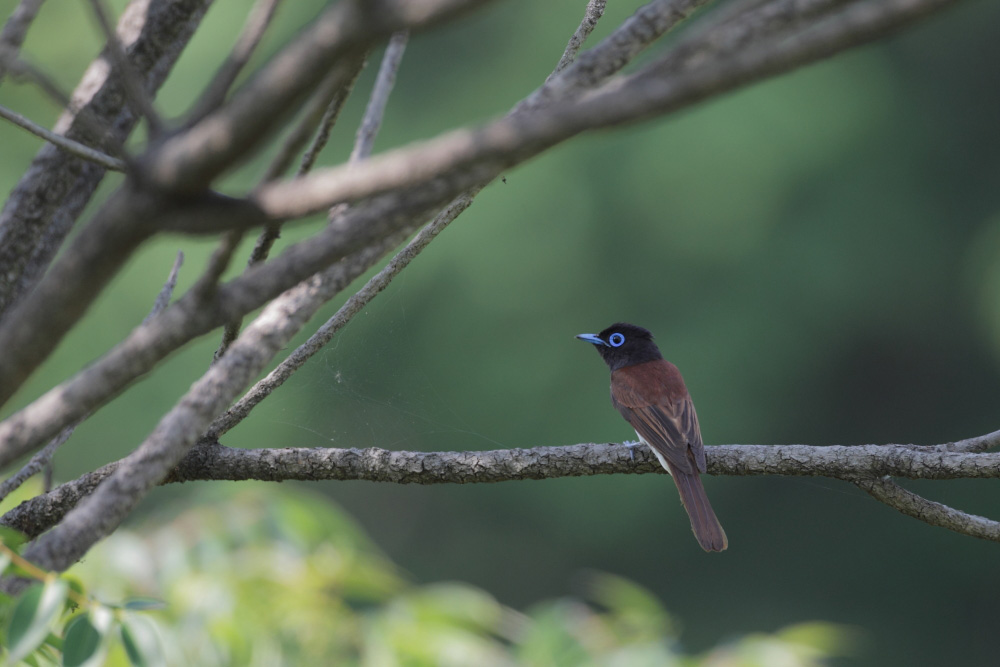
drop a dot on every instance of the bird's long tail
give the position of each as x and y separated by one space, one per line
705 525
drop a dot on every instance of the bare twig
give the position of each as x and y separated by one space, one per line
41 210
15 30
23 71
325 333
208 283
886 491
372 120
363 144
253 31
380 281
100 513
518 137
134 88
43 459
322 110
327 122
595 10
387 214
596 65
68 145
191 160
40 460
736 26
167 291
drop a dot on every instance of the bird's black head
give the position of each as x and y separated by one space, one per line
623 345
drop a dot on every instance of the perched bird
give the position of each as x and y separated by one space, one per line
650 394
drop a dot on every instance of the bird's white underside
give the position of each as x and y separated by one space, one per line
663 461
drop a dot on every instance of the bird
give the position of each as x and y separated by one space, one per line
650 394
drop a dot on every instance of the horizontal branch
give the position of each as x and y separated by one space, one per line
401 467
212 461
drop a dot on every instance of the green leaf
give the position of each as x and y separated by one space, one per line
81 646
143 604
33 616
141 642
4 561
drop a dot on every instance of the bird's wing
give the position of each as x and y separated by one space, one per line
667 423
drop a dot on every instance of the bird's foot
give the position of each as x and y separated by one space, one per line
631 449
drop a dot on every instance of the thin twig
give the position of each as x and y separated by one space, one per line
328 101
253 31
328 120
134 90
364 141
325 333
20 70
40 460
381 280
372 120
321 111
68 145
377 219
43 458
217 264
593 14
902 500
167 291
15 30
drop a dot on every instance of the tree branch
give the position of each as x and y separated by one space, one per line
325 333
518 137
43 458
593 14
15 30
134 89
386 79
380 281
191 160
884 490
68 145
253 31
42 208
212 461
387 214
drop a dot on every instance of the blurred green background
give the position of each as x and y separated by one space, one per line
820 255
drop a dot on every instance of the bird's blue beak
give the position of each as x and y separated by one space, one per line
592 338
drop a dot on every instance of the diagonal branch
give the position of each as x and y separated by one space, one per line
131 82
392 212
516 138
253 31
325 333
381 280
884 490
191 160
43 458
593 14
386 79
41 210
68 145
15 30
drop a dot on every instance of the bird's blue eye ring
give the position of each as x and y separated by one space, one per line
616 340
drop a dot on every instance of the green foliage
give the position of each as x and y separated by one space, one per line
273 575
